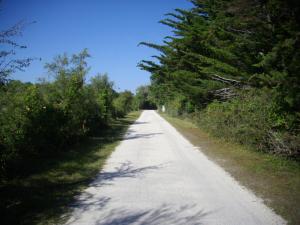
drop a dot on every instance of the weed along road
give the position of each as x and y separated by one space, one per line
155 176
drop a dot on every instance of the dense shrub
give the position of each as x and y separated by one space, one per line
123 103
179 106
28 126
38 120
252 119
143 99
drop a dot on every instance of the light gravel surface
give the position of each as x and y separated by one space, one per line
156 176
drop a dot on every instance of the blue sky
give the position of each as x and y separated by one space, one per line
110 29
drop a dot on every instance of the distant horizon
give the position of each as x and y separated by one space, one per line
111 31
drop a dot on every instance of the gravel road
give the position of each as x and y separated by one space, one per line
155 176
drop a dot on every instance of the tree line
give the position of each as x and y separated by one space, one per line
46 118
233 66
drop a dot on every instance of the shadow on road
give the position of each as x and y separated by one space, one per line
165 214
91 202
131 135
139 122
125 170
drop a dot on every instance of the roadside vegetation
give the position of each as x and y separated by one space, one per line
233 67
45 194
43 119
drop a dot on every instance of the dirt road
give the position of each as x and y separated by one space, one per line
155 176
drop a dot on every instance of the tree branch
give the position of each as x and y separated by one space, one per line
225 80
239 31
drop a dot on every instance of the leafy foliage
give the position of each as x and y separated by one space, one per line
38 120
123 103
251 119
143 99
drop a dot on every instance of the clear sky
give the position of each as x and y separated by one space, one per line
110 29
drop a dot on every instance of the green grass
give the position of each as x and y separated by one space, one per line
275 179
43 197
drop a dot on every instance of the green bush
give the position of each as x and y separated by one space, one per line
123 104
251 119
41 120
179 106
143 99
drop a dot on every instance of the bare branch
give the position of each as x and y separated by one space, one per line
8 64
239 31
223 94
225 80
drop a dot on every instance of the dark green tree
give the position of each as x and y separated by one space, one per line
221 49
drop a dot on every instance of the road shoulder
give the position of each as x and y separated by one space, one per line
274 179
